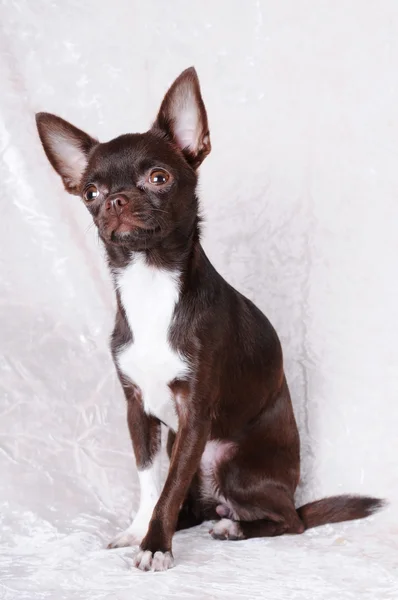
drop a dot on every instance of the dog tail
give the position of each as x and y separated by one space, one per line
338 508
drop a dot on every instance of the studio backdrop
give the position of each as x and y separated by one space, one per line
300 199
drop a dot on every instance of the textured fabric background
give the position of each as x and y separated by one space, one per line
300 197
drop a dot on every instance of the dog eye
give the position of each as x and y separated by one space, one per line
158 177
91 193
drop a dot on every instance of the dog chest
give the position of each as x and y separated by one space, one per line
149 296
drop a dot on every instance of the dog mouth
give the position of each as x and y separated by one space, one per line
122 235
128 230
138 232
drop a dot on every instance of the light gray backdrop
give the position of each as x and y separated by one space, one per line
300 198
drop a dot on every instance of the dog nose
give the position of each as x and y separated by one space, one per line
116 203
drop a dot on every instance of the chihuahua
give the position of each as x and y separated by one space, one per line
190 351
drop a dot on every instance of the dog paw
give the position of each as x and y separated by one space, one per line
128 537
227 530
145 560
224 511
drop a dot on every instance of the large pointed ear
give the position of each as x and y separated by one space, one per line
67 148
182 117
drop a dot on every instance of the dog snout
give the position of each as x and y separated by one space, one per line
116 203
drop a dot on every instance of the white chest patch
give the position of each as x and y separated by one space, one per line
149 296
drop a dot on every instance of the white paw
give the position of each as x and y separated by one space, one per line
158 561
135 533
227 530
132 536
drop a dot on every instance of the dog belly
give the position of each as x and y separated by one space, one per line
152 374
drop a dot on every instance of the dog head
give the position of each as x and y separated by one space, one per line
139 188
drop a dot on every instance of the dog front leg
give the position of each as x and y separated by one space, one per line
155 551
145 432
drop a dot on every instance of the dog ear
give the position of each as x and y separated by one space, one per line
182 117
67 148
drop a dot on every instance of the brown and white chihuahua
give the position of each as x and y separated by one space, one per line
190 351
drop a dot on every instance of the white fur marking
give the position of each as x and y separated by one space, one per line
227 529
215 452
149 296
150 488
159 561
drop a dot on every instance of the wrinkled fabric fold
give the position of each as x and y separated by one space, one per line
299 195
